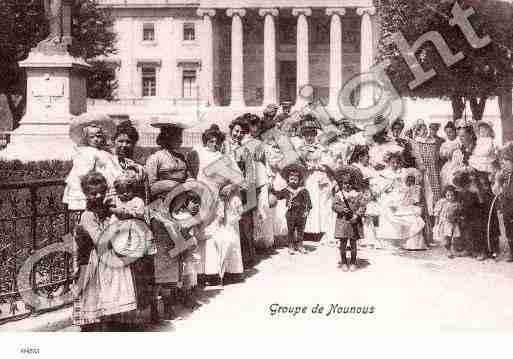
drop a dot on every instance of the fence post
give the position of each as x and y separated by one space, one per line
66 254
33 220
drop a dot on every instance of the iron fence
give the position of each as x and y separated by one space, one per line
4 140
32 216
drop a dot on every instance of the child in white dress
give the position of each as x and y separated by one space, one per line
485 152
91 156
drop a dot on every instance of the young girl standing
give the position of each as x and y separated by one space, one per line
105 287
447 227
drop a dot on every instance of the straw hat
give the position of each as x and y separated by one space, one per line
129 238
77 126
166 123
462 122
489 125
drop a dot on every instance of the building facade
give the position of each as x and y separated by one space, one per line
233 54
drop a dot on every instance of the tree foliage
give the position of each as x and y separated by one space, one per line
481 74
24 25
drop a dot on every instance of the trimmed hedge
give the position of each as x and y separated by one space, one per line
15 171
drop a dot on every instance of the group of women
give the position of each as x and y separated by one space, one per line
405 173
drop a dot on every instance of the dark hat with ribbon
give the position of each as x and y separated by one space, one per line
294 169
309 122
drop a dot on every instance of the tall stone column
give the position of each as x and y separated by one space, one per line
237 77
270 92
302 50
207 64
336 80
366 53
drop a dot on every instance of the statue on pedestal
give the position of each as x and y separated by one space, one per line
58 13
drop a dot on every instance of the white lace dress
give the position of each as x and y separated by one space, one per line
219 241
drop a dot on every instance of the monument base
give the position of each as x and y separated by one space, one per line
56 93
39 140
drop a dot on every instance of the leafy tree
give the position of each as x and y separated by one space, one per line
481 74
24 25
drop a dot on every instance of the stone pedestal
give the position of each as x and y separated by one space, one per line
56 92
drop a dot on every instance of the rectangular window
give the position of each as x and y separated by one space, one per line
149 81
148 32
189 84
189 33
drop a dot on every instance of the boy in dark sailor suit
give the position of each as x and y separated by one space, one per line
298 206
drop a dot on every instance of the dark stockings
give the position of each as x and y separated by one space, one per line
343 249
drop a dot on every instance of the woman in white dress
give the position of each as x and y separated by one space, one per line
461 155
278 210
400 218
263 221
320 219
219 241
446 150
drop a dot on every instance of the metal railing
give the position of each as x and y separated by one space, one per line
4 139
32 217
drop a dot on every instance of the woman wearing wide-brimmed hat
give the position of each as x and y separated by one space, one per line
321 218
219 243
166 169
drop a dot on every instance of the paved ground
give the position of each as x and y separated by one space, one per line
409 292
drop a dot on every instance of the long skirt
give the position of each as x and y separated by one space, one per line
105 288
220 251
246 232
403 227
320 218
264 229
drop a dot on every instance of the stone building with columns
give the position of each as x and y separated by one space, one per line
234 55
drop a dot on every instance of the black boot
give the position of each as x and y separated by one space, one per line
169 313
